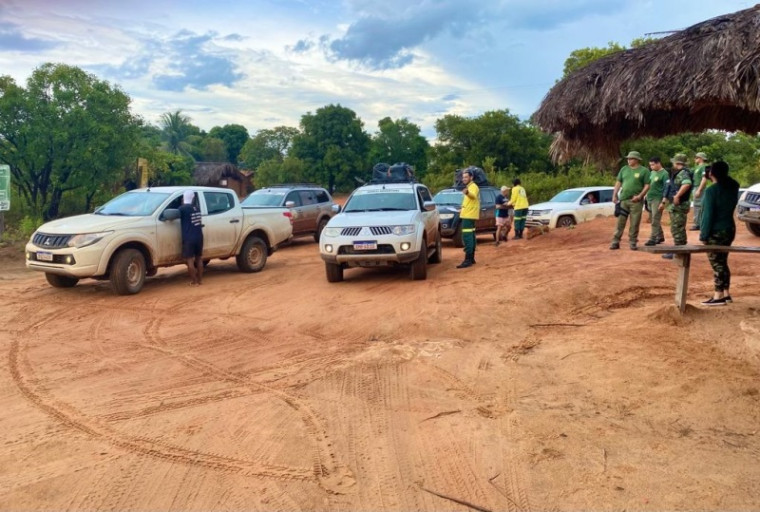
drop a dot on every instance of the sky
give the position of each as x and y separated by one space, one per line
266 63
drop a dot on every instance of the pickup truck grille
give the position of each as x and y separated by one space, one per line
381 249
376 230
753 198
51 241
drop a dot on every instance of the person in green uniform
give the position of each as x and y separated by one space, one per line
469 214
658 175
718 228
700 183
676 198
631 187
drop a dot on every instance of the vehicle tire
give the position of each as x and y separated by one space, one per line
458 241
334 272
437 257
418 271
565 221
753 228
127 273
253 255
320 227
57 281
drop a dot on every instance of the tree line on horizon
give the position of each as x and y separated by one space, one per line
72 143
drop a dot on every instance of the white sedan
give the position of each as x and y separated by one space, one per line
572 206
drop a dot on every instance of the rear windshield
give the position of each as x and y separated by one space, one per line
265 197
381 200
133 204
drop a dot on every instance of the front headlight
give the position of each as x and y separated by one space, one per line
406 229
86 239
541 213
447 216
331 231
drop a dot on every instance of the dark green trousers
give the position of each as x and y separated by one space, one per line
719 260
468 238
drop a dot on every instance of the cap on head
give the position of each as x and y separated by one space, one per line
701 155
680 158
188 196
504 188
634 154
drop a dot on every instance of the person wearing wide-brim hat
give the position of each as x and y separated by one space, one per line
676 199
631 186
701 181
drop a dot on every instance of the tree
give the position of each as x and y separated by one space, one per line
400 141
583 56
176 128
287 170
66 133
334 145
267 144
213 150
496 134
234 137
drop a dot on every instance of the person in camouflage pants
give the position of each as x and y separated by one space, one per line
676 196
719 228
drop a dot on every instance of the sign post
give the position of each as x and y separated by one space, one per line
5 194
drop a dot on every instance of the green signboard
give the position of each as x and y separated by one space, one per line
5 188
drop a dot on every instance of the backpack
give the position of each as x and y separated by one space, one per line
397 172
478 177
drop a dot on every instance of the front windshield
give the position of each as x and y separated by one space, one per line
448 198
567 196
133 204
381 200
264 197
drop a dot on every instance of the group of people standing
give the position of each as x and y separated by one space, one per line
507 212
715 195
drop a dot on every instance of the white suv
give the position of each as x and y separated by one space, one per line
571 207
383 224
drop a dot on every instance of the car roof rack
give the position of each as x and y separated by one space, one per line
291 185
383 181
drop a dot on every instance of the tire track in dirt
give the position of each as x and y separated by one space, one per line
332 476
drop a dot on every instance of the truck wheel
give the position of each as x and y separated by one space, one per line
320 227
565 221
418 272
437 256
127 272
334 272
57 281
458 242
753 228
253 255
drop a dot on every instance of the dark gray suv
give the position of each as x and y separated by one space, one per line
311 206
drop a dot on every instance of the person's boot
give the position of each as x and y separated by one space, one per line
468 261
650 242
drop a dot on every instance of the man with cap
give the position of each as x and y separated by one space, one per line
469 214
631 186
503 218
701 181
192 236
676 198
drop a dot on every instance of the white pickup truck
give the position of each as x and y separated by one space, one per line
134 234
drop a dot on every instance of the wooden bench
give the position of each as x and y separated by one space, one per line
682 256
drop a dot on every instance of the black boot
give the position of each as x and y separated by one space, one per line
468 261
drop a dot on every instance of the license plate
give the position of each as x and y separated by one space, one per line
365 246
44 256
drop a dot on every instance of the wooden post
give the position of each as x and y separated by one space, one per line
682 286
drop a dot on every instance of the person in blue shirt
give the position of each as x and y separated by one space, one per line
192 236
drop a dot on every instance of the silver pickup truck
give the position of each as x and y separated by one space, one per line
134 234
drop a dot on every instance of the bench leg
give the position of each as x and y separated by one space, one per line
682 285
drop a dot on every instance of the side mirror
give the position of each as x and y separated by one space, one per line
169 214
429 206
336 208
290 204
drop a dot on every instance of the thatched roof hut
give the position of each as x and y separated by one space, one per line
222 174
706 76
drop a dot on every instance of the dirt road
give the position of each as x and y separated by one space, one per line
553 375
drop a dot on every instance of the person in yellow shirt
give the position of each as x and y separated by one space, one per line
519 201
469 214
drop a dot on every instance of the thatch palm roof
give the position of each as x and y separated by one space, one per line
706 76
210 173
